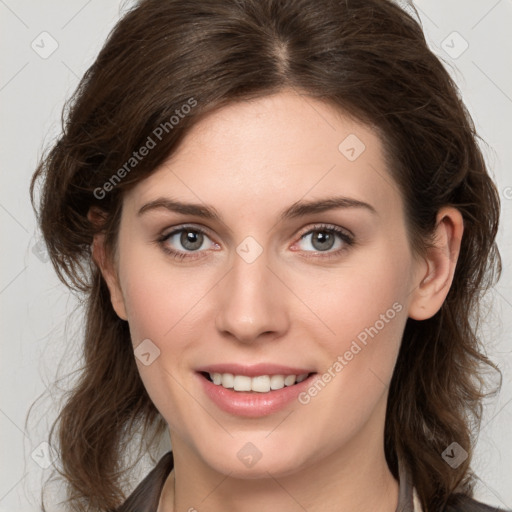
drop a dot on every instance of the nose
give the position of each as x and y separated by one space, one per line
252 302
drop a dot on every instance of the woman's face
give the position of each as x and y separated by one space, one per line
264 286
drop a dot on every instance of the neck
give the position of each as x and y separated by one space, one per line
355 477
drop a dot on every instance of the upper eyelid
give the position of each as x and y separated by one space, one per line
327 227
182 227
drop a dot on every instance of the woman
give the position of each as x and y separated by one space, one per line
282 225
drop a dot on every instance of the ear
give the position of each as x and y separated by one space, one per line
436 272
96 216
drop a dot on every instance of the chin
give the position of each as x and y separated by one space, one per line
251 457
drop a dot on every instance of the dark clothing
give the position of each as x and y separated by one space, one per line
146 496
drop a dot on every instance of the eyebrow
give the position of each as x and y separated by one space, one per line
298 209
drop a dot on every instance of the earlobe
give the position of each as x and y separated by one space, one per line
435 274
107 271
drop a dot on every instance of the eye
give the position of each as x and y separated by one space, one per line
185 240
326 238
189 242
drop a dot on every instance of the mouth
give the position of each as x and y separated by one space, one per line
255 384
253 391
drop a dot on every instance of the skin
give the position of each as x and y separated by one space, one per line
291 306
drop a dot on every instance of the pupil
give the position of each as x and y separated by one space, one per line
323 241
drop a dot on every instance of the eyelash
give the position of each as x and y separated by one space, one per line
344 235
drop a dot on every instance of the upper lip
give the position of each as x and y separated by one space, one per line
253 370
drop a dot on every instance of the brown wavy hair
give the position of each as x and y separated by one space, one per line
367 58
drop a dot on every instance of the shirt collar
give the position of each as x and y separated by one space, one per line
408 500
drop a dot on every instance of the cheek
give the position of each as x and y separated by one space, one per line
166 306
160 299
162 305
364 306
368 292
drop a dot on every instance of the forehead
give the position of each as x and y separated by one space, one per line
254 156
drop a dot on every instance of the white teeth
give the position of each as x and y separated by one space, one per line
242 383
276 382
260 383
289 380
227 380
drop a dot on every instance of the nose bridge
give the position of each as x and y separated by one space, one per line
250 299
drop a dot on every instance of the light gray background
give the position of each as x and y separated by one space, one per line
39 330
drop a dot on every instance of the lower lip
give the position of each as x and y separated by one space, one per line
254 404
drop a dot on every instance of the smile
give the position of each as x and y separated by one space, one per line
253 391
258 384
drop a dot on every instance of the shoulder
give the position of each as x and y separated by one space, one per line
463 503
